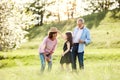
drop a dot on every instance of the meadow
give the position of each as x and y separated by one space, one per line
100 64
102 56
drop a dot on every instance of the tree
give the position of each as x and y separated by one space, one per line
13 21
118 1
99 5
38 8
58 10
71 7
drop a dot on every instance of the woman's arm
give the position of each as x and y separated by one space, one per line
54 47
68 49
42 46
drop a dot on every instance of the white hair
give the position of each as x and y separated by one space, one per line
81 19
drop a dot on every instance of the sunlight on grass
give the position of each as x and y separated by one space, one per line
93 71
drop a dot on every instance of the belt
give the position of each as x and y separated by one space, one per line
76 44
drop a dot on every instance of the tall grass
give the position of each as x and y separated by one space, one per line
93 71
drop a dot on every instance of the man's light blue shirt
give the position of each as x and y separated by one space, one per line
85 36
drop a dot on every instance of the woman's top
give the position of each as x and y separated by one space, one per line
48 46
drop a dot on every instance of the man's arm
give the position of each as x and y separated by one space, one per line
88 38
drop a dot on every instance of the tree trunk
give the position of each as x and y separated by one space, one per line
0 48
58 14
41 19
119 3
58 17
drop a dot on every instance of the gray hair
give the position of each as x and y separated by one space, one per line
81 19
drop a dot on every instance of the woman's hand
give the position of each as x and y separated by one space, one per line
47 58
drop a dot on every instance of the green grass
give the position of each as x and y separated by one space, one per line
100 64
100 70
31 57
104 29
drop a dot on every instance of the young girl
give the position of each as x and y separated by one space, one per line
66 55
47 48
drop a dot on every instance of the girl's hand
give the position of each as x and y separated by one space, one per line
63 54
63 37
59 32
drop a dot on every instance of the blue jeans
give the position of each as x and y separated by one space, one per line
74 55
43 63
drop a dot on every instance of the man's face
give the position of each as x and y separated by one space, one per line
79 23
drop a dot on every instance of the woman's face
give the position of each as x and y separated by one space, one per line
54 36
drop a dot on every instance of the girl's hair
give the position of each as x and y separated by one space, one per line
50 35
69 38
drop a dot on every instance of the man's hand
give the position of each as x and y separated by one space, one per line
81 41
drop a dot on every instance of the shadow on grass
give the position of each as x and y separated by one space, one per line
41 31
33 32
116 13
90 20
94 19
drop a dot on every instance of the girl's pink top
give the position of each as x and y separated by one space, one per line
48 46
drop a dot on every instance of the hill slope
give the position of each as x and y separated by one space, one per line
104 28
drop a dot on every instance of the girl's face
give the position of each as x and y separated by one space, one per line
65 36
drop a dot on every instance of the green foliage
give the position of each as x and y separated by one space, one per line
100 5
38 8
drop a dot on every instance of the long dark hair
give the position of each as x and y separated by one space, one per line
69 38
50 35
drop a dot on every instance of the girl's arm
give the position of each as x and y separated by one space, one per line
61 35
68 48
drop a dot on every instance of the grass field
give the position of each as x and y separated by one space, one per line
100 64
94 71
